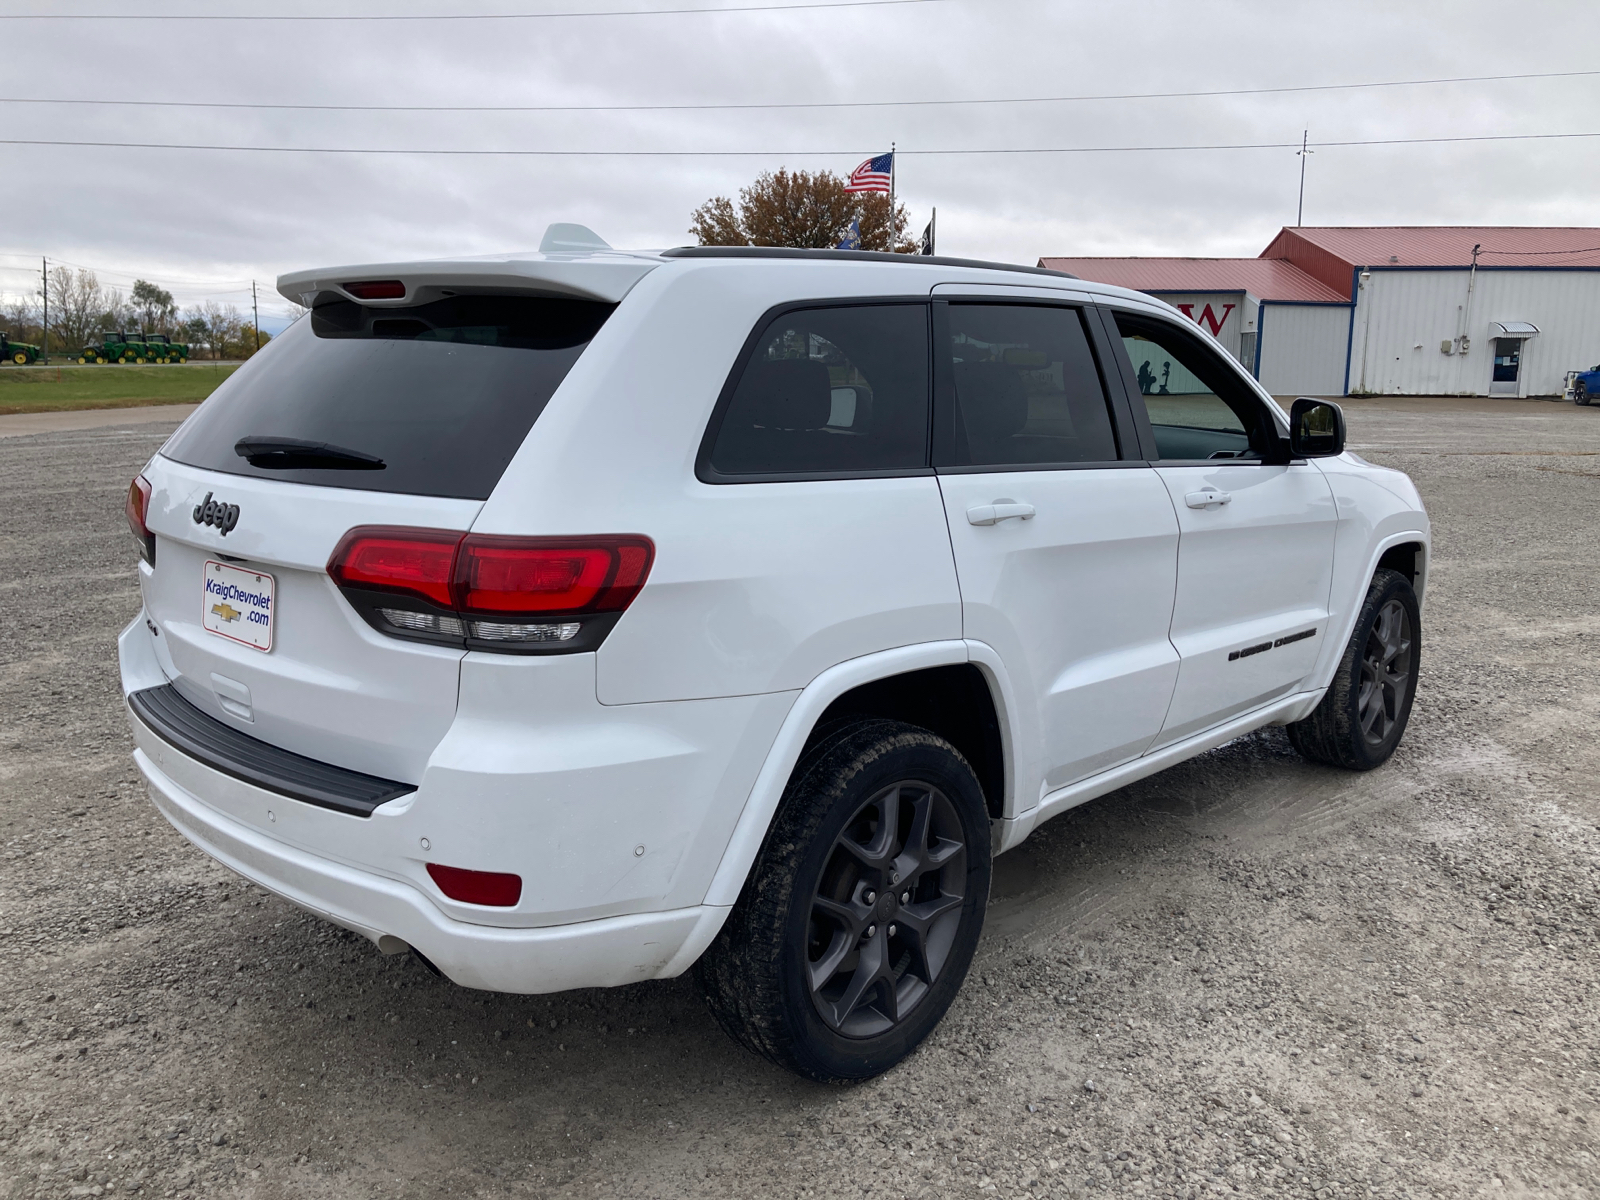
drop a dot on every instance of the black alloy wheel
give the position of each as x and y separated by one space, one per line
1363 714
886 909
1580 393
1385 673
860 917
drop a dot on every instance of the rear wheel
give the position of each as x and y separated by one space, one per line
861 915
1364 713
1580 393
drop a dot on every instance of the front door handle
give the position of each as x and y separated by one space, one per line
1207 498
1000 510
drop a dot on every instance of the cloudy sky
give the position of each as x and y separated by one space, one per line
204 222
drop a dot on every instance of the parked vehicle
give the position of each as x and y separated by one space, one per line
1583 386
21 353
570 620
123 347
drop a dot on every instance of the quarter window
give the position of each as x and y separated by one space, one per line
1027 390
1198 408
831 391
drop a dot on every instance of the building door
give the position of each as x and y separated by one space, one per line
1507 365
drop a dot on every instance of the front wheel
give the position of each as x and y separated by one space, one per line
862 913
1580 393
1361 719
20 359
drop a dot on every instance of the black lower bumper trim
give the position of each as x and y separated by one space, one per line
223 748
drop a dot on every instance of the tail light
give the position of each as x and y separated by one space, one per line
137 508
493 888
377 289
520 595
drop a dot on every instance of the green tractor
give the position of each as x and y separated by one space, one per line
21 353
164 350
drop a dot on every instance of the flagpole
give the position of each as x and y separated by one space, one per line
892 165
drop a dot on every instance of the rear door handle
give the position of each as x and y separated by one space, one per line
1207 498
1000 510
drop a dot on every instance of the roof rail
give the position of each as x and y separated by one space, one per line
852 256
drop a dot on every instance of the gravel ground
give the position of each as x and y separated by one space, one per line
1247 974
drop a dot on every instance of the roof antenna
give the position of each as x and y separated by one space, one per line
562 238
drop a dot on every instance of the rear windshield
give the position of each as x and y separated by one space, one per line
431 400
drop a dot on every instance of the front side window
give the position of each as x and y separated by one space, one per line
1198 408
1027 390
830 391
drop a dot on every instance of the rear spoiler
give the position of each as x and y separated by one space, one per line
606 277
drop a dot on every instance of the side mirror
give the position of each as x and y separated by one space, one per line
1316 428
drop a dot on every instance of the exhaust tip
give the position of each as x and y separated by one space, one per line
391 945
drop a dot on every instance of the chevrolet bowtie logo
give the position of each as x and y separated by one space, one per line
226 611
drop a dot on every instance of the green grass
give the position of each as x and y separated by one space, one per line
59 389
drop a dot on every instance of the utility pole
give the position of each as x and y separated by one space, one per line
255 313
1300 210
44 274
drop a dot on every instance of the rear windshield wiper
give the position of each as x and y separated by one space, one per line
286 454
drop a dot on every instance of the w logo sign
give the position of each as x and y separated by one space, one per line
1207 318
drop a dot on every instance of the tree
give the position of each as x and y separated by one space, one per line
77 306
799 208
154 306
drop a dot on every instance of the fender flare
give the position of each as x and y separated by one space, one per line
1335 648
751 829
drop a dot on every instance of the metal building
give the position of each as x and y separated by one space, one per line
1470 310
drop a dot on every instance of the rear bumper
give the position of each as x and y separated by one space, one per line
602 953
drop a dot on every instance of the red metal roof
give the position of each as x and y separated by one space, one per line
1332 253
1264 278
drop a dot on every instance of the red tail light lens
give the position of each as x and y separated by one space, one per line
492 888
417 562
137 508
377 289
445 581
536 575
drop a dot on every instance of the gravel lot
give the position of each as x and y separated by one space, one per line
1247 974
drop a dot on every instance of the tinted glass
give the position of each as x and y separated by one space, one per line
1027 389
442 393
831 390
1197 406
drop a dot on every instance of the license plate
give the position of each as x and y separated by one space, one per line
238 605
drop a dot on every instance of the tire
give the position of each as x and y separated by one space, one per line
1580 393
1362 717
805 903
20 358
82 360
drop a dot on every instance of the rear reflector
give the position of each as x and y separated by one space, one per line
377 289
137 509
491 888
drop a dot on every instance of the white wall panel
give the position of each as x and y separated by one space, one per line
1402 316
1224 315
1303 348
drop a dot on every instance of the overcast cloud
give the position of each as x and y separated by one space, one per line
203 223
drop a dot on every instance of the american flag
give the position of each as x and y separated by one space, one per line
874 175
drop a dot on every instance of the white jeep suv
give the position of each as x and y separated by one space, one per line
572 618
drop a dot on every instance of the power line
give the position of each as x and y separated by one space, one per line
986 151
552 108
802 6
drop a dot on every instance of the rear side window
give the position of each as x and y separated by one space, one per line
429 400
1027 389
830 391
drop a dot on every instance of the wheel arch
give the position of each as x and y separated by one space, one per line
1404 550
881 684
